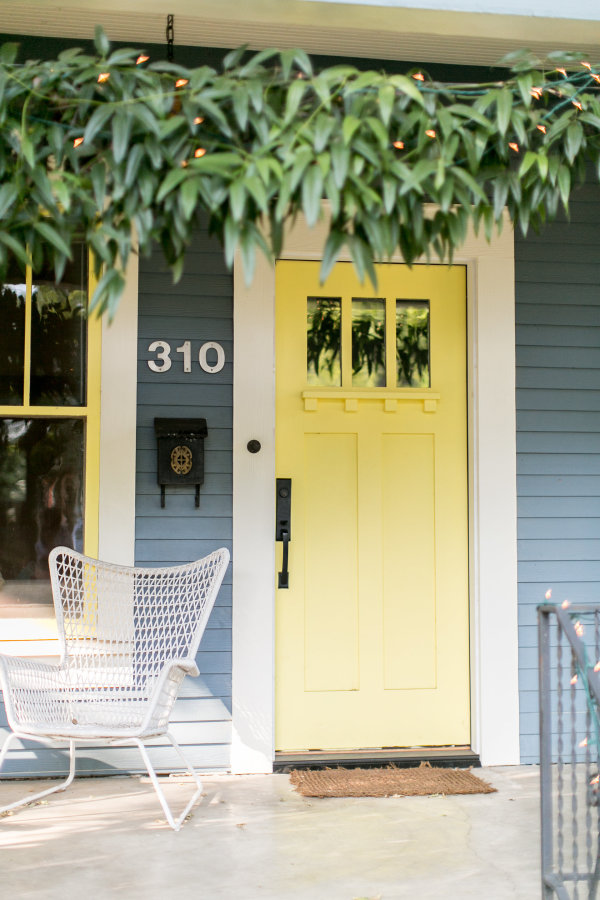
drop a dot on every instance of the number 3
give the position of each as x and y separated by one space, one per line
163 351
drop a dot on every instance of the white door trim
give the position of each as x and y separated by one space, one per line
492 487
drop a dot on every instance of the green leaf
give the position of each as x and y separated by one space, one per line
174 177
134 160
121 130
387 96
504 103
331 252
340 161
573 140
101 42
312 192
294 96
8 195
15 247
529 160
349 126
53 237
564 184
237 199
240 107
188 197
97 120
408 87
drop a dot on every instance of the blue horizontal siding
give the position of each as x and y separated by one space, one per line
558 428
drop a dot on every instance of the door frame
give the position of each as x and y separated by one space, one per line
492 499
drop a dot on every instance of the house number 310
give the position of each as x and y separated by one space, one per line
163 361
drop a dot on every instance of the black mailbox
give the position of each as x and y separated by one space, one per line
180 453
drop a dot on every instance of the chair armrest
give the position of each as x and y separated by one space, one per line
18 672
164 692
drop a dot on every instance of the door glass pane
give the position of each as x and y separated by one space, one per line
412 343
41 507
59 334
12 336
368 343
323 341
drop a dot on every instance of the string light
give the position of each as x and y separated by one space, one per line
541 128
565 604
141 59
587 66
584 742
181 82
198 120
577 104
513 146
536 92
579 629
562 72
597 666
419 76
103 76
574 680
183 163
548 594
77 142
199 152
399 145
430 133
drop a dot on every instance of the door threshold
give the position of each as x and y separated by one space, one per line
456 757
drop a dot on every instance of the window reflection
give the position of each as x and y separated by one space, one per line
41 500
12 336
59 333
323 341
412 343
368 343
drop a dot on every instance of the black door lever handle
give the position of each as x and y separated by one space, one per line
283 515
284 575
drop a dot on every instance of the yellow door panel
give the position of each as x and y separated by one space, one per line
372 634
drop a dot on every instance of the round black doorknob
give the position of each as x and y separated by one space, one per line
253 446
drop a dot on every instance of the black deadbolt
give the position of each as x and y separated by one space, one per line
253 446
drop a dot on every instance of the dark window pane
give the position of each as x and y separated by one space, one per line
12 336
323 341
59 334
412 343
368 343
41 504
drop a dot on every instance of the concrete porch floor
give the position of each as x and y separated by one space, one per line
254 837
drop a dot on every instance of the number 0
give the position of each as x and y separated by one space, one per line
211 345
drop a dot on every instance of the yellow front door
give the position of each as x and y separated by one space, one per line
372 634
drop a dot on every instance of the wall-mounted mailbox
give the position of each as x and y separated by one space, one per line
180 453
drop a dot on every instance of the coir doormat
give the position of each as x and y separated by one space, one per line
390 781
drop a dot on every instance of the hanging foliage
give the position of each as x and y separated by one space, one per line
96 146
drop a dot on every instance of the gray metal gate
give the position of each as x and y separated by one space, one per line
569 643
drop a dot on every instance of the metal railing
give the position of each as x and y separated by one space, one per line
569 645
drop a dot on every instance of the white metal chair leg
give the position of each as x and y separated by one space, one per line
174 823
32 798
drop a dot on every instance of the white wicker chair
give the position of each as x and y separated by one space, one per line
128 638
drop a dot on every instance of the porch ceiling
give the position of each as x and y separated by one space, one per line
353 29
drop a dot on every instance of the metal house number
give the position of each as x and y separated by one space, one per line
163 361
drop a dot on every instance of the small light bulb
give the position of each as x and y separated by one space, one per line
513 146
103 76
541 128
399 145
199 152
77 142
181 82
141 59
419 76
198 120
430 133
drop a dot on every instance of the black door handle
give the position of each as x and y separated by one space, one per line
283 580
283 531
